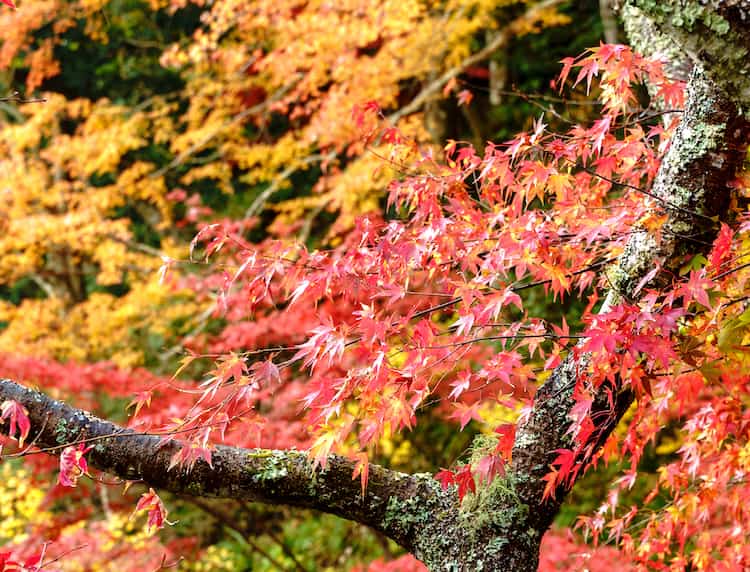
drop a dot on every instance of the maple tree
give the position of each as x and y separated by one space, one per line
419 309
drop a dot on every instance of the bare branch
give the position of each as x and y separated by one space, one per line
499 40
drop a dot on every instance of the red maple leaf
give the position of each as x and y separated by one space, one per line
489 467
466 413
464 97
157 513
446 477
506 439
266 371
19 419
72 465
465 481
720 252
696 289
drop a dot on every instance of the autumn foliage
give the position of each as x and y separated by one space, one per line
262 240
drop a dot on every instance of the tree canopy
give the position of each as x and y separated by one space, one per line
452 270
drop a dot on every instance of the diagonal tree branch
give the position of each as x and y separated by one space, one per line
270 476
705 155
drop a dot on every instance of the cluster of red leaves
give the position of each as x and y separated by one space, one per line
696 514
492 464
422 309
561 550
8 564
398 312
401 312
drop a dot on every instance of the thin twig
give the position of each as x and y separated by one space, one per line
657 198
16 98
503 36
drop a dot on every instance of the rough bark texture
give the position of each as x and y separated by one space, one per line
704 157
269 476
712 33
501 527
705 154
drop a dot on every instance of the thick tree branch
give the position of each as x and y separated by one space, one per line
277 477
714 34
705 154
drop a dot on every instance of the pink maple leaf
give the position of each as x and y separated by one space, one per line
465 413
19 419
157 513
72 465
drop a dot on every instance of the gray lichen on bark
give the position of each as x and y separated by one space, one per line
711 33
692 187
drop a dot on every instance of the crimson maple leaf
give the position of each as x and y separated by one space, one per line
157 513
464 97
19 419
696 289
465 413
72 465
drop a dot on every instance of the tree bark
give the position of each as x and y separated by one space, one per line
260 475
501 527
707 151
